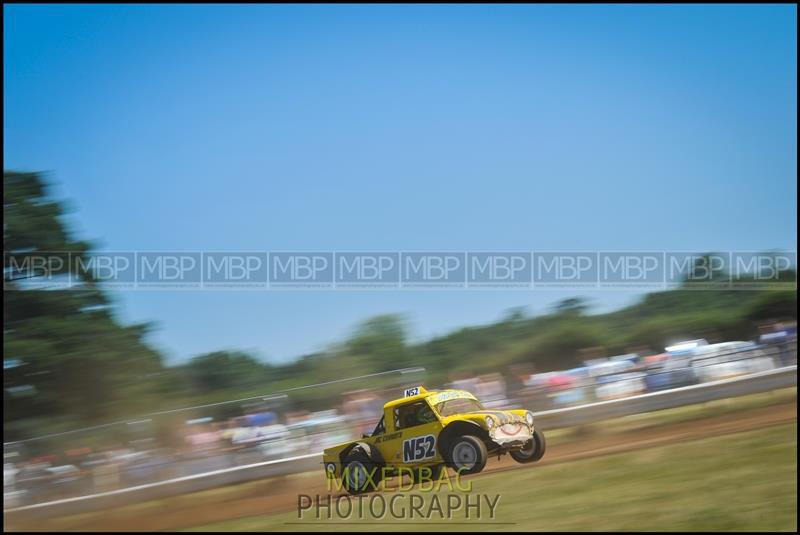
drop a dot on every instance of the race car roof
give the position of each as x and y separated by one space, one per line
434 397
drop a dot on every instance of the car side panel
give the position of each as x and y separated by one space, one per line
413 446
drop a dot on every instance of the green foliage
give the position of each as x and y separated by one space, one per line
773 306
78 364
31 220
572 306
383 339
222 371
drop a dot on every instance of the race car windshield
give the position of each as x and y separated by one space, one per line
458 406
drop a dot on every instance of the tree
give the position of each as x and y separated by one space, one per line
560 347
222 370
574 306
71 358
382 339
774 306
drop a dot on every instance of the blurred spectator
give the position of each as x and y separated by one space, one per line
202 439
491 390
363 408
779 335
463 381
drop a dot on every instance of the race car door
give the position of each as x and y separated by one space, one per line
412 441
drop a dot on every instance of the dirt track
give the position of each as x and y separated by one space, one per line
273 496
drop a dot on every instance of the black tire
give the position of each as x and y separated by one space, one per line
466 455
361 473
423 471
532 451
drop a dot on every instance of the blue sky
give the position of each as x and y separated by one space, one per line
401 128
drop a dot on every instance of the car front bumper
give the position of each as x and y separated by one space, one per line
511 435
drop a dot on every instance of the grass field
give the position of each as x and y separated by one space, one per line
744 481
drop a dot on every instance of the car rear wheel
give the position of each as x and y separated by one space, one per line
467 455
360 473
532 451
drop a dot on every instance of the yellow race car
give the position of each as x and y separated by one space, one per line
433 430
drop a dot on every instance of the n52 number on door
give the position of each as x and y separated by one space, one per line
419 448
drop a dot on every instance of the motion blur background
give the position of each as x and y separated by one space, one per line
131 128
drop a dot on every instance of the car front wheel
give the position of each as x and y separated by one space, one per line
532 451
